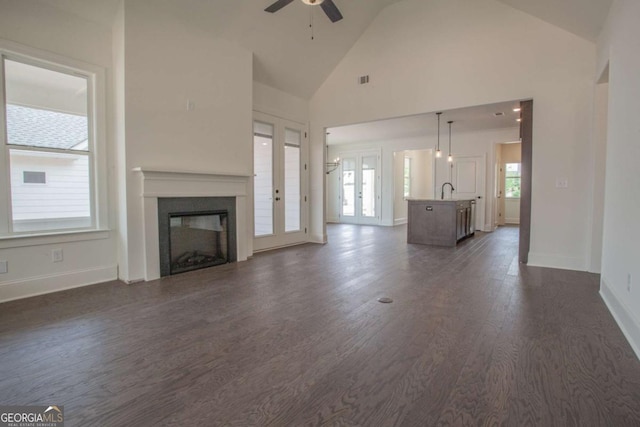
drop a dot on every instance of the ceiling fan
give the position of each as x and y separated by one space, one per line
328 6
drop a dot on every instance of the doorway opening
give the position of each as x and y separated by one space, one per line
475 131
508 183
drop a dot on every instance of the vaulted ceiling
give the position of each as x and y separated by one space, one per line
584 18
286 58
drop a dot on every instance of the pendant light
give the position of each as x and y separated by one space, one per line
450 158
438 152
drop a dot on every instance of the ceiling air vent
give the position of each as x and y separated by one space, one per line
363 80
498 114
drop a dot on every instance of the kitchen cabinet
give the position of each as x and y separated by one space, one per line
440 222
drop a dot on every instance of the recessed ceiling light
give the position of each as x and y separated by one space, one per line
518 120
517 110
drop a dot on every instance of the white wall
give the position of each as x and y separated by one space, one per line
445 54
275 102
619 45
88 257
167 64
421 177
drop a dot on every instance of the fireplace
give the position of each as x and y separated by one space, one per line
195 232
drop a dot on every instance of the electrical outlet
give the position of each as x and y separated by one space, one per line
57 255
562 183
629 282
4 267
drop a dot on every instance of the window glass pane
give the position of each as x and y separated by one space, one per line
512 169
61 202
368 195
263 179
512 180
292 137
348 187
292 180
407 176
45 108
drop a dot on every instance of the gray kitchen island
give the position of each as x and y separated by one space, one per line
440 222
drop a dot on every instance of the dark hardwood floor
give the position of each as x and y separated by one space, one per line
296 337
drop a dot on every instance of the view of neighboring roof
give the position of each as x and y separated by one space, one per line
46 129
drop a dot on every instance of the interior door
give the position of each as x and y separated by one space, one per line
280 182
360 188
469 181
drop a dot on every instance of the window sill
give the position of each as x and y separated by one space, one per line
23 240
512 198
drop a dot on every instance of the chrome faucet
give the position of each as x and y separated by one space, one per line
442 194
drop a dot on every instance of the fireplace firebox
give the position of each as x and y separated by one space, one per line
195 232
197 241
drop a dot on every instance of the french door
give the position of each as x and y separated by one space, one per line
360 188
280 182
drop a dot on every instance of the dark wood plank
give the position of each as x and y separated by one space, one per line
297 337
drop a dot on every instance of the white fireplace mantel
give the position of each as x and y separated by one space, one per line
156 183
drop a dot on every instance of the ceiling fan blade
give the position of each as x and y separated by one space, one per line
277 6
331 10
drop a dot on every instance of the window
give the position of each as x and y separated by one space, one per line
48 145
29 177
407 177
512 181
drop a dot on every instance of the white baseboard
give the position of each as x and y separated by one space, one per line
318 238
333 220
556 261
399 221
628 324
512 221
33 286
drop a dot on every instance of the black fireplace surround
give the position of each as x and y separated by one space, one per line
175 208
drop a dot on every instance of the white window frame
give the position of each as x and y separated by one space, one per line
96 114
406 180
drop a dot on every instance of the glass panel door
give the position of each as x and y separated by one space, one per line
280 182
263 178
360 185
292 163
368 190
348 187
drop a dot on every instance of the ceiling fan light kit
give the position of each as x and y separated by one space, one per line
328 6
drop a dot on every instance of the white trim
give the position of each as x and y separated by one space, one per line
629 325
33 286
556 261
399 221
157 183
97 122
512 221
20 241
318 238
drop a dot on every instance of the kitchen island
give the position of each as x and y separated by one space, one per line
440 222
